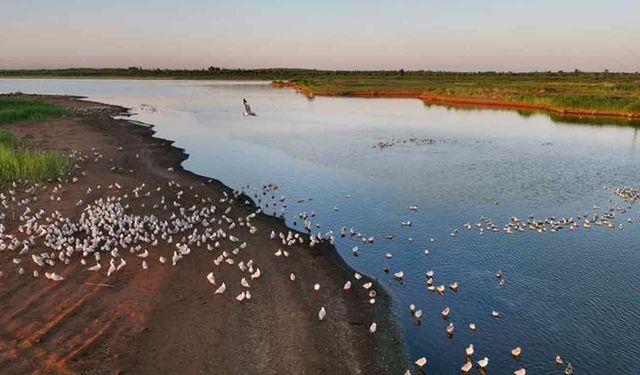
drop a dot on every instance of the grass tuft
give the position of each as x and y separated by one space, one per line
21 109
19 163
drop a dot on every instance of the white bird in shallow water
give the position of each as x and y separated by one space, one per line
322 313
520 372
450 329
211 278
247 109
445 312
466 367
469 350
347 285
483 363
420 362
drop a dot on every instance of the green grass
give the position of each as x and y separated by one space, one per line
603 92
17 162
14 108
7 139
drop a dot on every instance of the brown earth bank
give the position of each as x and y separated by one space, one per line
457 101
166 319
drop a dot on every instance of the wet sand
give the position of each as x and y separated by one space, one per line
166 320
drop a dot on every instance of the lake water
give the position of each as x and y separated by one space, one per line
574 292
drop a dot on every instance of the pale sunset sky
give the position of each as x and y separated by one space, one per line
517 35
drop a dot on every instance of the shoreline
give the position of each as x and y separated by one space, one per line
465 102
145 322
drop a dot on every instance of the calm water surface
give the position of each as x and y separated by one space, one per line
576 293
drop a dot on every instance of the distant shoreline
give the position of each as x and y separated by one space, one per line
572 94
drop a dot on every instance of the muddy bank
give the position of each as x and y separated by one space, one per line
166 319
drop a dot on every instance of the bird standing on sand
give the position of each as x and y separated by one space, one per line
247 109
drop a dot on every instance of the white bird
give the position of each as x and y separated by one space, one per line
244 283
322 313
256 274
450 329
347 285
240 297
469 350
53 276
145 265
112 268
221 289
95 268
466 367
420 362
516 351
398 275
520 372
121 265
445 312
373 327
483 363
292 277
211 278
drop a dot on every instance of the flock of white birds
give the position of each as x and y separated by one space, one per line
107 237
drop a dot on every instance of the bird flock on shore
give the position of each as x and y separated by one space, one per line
108 237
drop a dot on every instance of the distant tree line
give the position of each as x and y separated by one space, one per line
214 72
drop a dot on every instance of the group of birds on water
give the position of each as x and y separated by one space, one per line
277 204
600 217
382 145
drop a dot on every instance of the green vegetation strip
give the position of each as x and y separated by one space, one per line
18 163
15 108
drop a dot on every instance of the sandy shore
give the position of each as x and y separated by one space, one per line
461 101
166 319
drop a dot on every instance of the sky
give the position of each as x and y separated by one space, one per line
463 35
